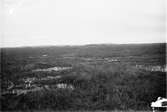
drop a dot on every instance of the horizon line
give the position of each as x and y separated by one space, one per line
75 45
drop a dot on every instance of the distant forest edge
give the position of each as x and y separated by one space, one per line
92 77
101 50
147 53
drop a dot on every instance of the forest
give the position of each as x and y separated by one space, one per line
89 77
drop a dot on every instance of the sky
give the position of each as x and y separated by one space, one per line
79 22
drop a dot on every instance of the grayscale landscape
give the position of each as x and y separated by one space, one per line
90 77
83 56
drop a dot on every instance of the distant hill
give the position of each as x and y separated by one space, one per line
94 50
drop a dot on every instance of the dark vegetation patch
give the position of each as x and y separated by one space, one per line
98 84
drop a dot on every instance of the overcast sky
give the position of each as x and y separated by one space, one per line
78 22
